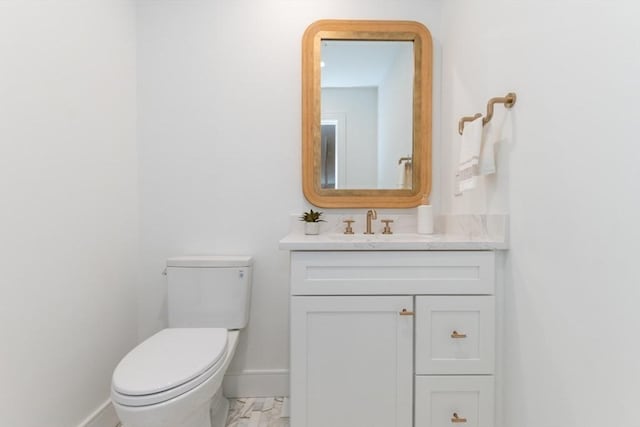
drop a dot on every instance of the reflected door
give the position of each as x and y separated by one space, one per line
328 141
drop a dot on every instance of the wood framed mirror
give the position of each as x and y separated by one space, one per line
366 113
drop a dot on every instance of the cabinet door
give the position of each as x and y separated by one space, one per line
351 361
455 335
449 401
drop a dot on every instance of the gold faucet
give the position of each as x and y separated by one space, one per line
371 214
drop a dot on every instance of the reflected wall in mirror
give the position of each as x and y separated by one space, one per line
366 113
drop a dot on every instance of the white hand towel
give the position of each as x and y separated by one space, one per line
487 164
405 174
494 134
470 145
401 175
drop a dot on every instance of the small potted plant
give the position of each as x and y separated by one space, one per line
311 221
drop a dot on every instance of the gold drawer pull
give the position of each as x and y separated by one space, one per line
457 419
456 334
406 312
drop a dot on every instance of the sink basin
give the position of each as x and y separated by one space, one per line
373 238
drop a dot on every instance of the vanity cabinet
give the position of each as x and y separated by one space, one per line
392 338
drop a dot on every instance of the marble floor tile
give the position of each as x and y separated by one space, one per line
257 412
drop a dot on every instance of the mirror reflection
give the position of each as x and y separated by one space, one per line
366 114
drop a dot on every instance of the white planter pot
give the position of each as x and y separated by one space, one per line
311 227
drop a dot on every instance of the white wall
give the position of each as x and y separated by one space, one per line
568 177
68 223
395 111
219 131
359 107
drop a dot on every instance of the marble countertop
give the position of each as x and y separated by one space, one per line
453 232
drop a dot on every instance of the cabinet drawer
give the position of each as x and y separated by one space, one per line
392 273
465 401
455 334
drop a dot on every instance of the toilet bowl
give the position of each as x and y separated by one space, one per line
174 378
171 381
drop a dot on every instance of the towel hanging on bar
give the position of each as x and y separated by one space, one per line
468 166
405 173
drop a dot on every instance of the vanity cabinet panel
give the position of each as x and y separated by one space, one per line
392 272
351 361
455 335
454 400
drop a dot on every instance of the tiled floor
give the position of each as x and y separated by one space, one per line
258 412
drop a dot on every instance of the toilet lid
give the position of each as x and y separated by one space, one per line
168 359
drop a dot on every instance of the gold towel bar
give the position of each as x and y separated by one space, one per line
508 101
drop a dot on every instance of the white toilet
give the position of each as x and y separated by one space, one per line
174 378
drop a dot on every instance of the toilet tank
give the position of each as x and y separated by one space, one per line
209 291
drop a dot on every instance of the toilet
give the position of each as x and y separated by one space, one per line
174 378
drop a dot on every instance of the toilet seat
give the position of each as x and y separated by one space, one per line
168 364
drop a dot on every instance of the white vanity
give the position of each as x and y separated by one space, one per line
393 332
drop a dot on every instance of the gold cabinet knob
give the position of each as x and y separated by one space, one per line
456 334
406 312
456 419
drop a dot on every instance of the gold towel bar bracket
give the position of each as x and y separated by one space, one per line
509 101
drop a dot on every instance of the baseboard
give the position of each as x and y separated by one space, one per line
256 383
104 416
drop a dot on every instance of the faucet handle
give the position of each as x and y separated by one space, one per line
387 228
348 229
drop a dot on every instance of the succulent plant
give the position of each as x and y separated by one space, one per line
311 216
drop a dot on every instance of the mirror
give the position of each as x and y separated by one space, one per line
366 113
366 97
